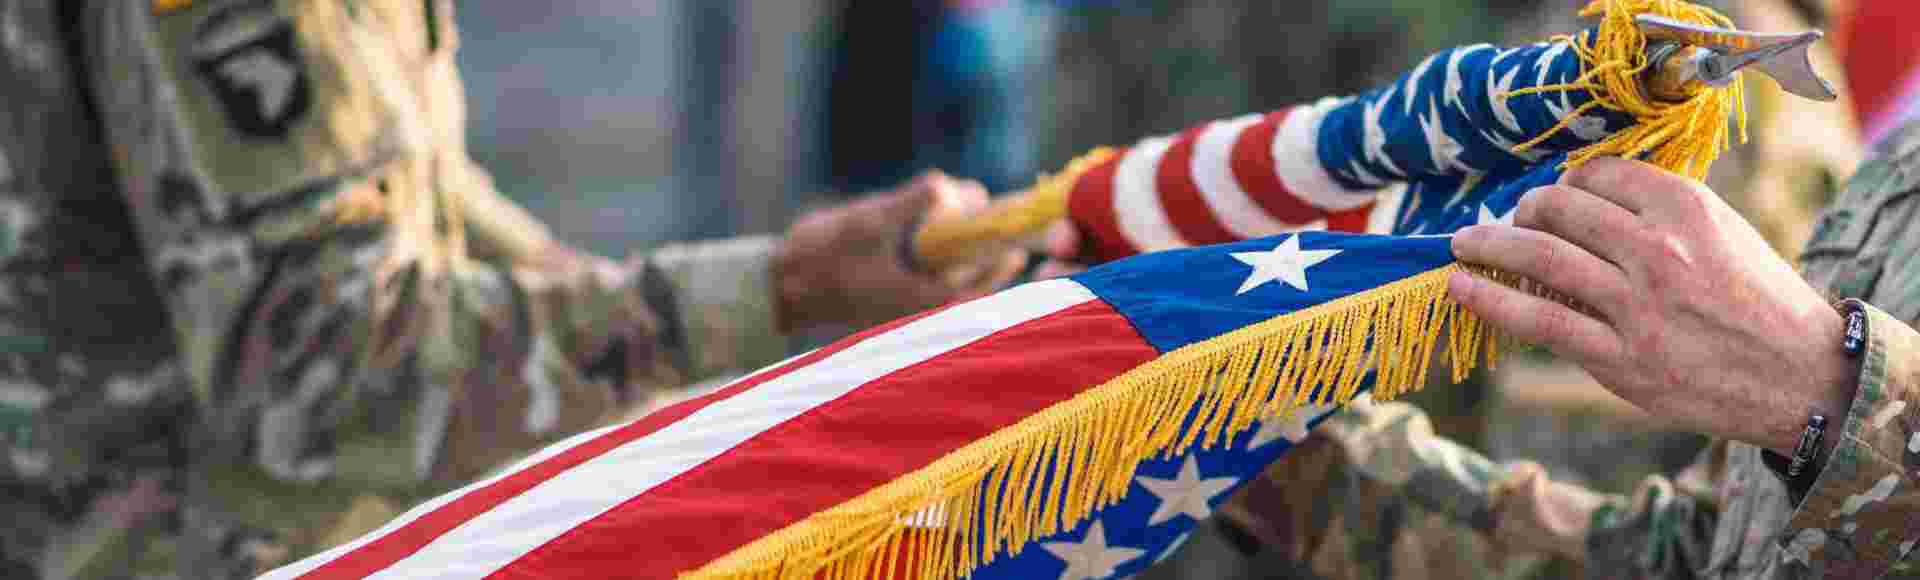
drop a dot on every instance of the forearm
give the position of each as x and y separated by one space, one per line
724 303
499 229
1865 496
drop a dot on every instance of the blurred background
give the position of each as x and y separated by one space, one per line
625 123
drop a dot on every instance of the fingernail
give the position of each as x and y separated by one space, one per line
1466 236
1460 283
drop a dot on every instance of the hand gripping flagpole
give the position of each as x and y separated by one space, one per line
1653 80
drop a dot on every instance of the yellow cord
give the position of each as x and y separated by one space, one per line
1684 137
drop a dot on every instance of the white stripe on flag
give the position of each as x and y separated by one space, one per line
1213 174
1136 199
304 566
511 529
1297 161
310 563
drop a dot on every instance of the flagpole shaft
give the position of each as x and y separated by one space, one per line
942 244
1014 218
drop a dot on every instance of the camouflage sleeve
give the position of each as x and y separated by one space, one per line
715 296
1858 520
726 305
277 160
1374 493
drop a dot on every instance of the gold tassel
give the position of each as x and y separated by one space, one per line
1684 137
949 518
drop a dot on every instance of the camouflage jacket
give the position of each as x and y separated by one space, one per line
189 377
1376 494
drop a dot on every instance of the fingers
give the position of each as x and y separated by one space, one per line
950 197
1546 259
992 278
1051 269
1638 186
967 194
1575 215
1062 241
1537 320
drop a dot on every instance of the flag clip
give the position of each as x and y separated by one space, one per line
1682 53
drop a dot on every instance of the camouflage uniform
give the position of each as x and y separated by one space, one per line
197 227
1376 494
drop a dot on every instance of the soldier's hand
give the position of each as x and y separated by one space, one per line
1690 314
1062 250
849 264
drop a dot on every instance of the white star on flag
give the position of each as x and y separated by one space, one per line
1582 126
1090 557
1443 149
1546 61
1454 85
1285 262
1375 133
1292 427
1506 52
1414 80
1187 494
1500 109
1487 216
1531 154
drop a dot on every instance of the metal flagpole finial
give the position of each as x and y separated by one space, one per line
1684 53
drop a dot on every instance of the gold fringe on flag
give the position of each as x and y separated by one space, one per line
1052 470
1685 136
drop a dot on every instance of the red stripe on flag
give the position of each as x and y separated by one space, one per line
1253 168
1091 206
1350 220
839 450
1180 196
413 536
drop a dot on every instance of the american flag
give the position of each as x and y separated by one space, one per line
675 490
779 473
1430 153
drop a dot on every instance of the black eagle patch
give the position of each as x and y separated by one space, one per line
248 57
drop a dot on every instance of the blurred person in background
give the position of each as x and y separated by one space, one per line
970 65
257 296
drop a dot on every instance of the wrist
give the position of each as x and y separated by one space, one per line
1831 378
783 289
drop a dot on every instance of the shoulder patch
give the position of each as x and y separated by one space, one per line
248 57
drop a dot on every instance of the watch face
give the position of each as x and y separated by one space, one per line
247 56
